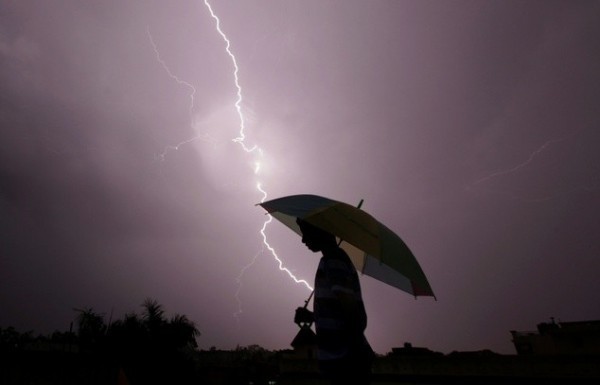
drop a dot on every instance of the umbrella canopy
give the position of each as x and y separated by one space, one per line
374 249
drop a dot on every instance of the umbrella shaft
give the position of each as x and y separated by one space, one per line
308 299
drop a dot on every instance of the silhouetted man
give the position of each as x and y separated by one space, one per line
344 354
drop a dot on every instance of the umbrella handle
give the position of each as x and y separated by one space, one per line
308 299
339 243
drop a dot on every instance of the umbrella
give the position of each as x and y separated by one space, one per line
374 249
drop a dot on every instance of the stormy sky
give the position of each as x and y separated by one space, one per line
471 128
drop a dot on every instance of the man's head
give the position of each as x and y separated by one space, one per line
315 238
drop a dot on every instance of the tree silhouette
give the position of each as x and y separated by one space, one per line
154 315
90 328
152 348
144 348
183 332
11 339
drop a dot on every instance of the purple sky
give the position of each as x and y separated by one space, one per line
471 128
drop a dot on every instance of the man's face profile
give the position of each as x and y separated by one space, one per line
313 237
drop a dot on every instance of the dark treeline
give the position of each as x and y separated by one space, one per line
144 348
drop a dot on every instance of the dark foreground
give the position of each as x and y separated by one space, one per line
256 367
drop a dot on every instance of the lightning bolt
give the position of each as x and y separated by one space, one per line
240 139
203 137
592 186
240 284
238 103
517 167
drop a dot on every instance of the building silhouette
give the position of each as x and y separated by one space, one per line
558 353
559 338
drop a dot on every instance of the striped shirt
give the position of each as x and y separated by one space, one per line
340 317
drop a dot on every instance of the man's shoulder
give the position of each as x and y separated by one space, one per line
336 258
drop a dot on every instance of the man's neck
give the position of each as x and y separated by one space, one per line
329 249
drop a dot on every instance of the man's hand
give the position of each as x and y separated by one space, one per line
304 316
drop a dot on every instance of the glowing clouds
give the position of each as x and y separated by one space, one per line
225 167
